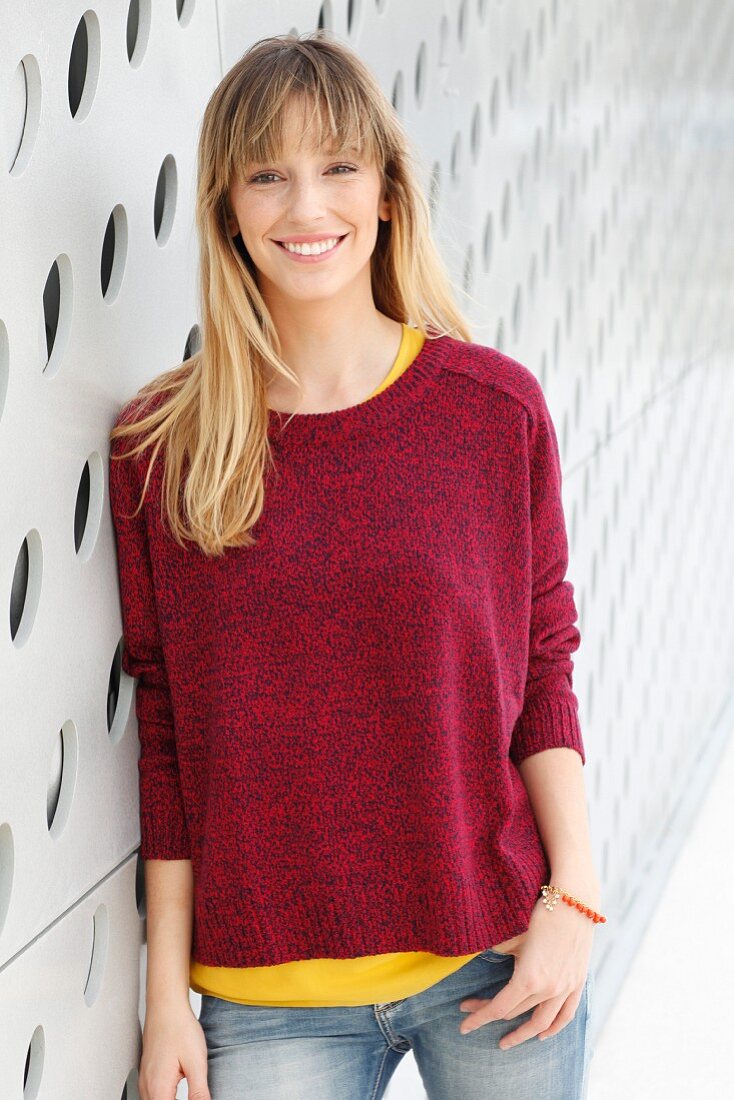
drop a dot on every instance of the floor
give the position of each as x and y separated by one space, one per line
669 1032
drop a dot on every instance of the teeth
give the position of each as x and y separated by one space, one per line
312 249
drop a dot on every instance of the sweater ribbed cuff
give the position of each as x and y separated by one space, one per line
155 844
549 720
163 830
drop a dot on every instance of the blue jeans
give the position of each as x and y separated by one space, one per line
351 1052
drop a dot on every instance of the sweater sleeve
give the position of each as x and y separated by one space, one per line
549 718
163 826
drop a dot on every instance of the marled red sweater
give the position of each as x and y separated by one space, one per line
330 721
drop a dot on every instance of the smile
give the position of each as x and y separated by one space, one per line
311 258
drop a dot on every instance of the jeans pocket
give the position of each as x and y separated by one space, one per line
495 956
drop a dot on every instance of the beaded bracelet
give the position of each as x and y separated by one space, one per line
551 894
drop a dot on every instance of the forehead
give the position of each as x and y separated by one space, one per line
304 127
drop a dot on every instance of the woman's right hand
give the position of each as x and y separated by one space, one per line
174 1047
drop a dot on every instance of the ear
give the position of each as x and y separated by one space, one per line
384 210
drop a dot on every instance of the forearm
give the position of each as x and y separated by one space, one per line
554 780
169 894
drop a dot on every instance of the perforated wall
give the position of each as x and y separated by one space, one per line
580 162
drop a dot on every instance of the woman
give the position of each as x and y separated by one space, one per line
342 574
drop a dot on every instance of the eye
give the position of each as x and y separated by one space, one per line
262 176
256 179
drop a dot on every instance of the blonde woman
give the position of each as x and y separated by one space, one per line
342 558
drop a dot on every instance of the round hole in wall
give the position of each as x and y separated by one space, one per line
533 276
56 316
140 886
98 954
119 696
25 592
21 114
517 313
494 104
468 272
551 127
500 337
520 186
137 31
505 216
421 65
184 11
114 253
63 770
537 151
325 21
456 158
131 1088
354 11
463 23
88 506
487 241
398 96
476 132
7 870
164 206
33 1069
193 342
84 66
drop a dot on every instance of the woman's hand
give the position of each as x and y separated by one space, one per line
174 1047
551 967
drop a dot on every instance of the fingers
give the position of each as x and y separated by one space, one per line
551 1014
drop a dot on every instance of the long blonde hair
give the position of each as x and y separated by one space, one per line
211 411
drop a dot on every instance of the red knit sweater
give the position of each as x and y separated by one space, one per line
330 721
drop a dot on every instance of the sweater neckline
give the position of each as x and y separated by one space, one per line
378 410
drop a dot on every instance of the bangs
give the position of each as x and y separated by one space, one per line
333 121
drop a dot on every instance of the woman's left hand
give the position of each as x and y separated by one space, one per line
551 967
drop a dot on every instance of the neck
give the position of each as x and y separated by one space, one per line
338 364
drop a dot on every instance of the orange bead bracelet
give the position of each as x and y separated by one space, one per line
551 894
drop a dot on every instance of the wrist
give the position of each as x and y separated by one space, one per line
581 883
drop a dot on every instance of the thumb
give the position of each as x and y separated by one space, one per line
197 1082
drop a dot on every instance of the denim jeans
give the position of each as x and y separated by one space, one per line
351 1052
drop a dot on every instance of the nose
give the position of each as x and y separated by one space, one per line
306 202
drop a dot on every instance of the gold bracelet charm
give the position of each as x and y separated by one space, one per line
551 894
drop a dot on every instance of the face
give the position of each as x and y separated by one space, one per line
308 193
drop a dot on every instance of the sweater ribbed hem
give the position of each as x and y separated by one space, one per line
395 917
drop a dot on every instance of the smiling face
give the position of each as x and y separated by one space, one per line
314 194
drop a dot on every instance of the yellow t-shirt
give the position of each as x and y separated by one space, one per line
370 979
